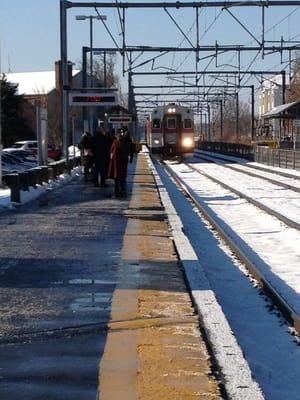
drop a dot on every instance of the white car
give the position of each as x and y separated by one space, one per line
28 145
54 153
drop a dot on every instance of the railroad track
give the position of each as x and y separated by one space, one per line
251 200
245 169
288 311
202 154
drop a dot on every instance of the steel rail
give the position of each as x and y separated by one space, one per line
253 174
282 304
286 220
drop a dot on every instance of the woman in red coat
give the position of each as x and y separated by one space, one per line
119 153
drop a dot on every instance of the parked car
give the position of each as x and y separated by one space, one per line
22 156
28 145
32 146
54 152
11 164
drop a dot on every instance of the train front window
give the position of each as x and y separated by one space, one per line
156 123
171 123
187 124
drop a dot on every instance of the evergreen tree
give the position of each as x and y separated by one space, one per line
14 126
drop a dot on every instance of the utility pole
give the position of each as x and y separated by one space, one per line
252 112
237 127
208 122
0 121
221 119
104 69
0 125
91 80
64 74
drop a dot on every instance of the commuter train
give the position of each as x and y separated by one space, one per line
170 130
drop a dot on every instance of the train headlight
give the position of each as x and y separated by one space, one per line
171 110
187 142
156 141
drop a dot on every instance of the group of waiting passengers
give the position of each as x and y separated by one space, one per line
107 156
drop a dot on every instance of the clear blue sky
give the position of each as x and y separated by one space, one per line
30 32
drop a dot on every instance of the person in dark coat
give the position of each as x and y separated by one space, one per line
85 145
131 147
100 150
119 154
110 139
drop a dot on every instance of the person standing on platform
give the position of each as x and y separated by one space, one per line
110 139
100 150
119 154
128 138
85 145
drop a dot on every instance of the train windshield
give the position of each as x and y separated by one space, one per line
156 123
171 123
187 124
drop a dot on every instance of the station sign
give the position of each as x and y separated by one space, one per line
92 99
119 119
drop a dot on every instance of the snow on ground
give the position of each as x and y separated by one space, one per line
265 192
272 353
33 193
238 380
289 171
271 245
264 174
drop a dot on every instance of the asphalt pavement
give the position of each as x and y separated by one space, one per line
58 264
93 302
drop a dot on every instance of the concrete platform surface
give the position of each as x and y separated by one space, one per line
93 303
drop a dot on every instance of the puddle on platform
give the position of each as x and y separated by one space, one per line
92 302
86 281
80 281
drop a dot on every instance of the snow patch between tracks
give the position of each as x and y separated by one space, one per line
236 374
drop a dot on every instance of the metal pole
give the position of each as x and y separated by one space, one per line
208 123
64 70
263 32
91 50
91 71
84 67
221 119
84 81
237 128
252 112
0 124
130 90
104 69
283 86
38 132
201 127
197 27
180 4
73 136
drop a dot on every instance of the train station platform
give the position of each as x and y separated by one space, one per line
94 302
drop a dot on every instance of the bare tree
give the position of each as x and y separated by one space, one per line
230 121
104 72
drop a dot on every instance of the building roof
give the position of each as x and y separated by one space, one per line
279 110
32 83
